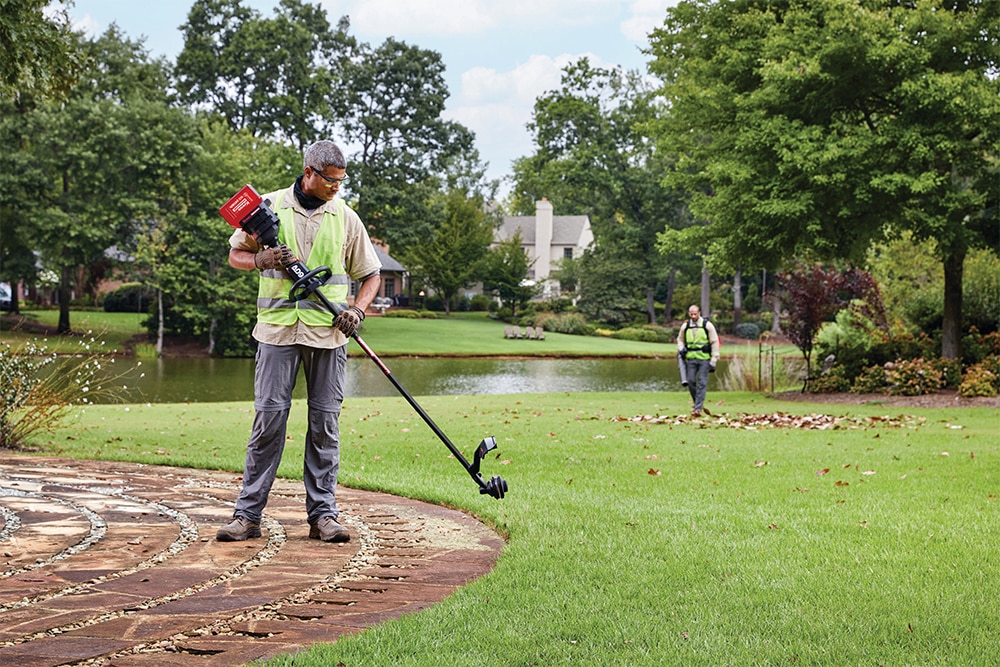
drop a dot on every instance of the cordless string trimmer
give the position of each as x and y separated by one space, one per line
247 211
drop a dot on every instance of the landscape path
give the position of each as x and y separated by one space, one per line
116 564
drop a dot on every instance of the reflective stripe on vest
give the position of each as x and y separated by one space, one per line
697 344
273 304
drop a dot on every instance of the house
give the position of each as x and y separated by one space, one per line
547 239
392 291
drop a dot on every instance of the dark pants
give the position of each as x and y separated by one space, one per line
274 379
697 377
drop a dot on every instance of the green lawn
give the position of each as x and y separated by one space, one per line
103 332
639 543
462 334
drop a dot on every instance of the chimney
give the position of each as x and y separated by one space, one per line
543 239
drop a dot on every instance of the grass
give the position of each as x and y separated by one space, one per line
633 543
462 334
108 332
474 334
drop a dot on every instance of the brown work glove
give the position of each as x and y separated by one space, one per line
274 258
349 320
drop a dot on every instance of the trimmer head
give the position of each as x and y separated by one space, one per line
496 487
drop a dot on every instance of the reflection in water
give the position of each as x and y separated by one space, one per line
209 380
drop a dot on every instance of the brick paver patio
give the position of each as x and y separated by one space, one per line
106 563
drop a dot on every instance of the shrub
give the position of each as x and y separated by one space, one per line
979 381
913 377
567 323
649 333
871 380
950 369
983 379
832 382
404 314
747 330
129 298
480 303
32 401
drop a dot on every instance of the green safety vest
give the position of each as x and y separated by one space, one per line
273 304
698 346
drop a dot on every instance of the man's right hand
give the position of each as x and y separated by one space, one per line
274 258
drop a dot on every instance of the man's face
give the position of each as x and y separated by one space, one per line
323 184
694 313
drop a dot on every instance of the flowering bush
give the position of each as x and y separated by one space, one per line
983 379
34 397
872 380
832 382
913 377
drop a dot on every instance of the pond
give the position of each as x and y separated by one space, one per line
210 380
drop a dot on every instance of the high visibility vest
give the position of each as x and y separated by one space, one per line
273 304
696 340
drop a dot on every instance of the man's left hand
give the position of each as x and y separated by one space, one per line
711 367
348 321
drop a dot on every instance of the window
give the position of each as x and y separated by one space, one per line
390 287
567 253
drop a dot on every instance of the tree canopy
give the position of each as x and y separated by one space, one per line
593 156
38 51
825 125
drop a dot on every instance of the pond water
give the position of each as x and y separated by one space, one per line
208 380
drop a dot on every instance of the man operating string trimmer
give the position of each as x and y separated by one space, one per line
320 229
296 307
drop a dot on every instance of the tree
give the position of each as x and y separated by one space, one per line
273 76
594 157
453 258
505 272
824 126
391 104
815 294
185 257
39 55
97 164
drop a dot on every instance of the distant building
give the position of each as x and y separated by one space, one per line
547 239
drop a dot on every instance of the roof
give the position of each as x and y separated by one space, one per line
566 229
389 265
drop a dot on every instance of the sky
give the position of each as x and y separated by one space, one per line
499 55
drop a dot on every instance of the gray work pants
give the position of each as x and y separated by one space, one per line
697 377
274 379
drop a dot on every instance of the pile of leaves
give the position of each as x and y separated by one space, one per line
752 422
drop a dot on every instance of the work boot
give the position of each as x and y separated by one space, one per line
328 530
237 530
696 413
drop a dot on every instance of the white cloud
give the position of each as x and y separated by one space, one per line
464 17
422 17
497 105
644 16
88 25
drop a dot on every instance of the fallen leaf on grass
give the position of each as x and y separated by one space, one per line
840 482
654 472
759 464
820 473
868 472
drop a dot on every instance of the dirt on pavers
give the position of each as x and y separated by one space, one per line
115 564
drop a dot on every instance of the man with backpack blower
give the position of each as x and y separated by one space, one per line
320 229
698 345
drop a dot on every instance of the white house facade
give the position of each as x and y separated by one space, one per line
548 239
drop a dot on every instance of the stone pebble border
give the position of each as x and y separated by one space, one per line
106 564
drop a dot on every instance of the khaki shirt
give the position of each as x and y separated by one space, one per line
360 261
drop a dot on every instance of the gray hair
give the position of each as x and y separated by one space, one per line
323 154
